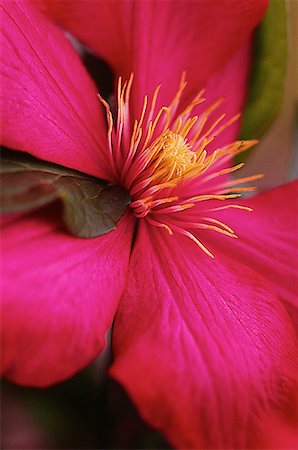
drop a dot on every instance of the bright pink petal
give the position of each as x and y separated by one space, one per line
230 84
268 240
157 40
201 347
59 297
49 106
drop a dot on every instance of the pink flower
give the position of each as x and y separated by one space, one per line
202 345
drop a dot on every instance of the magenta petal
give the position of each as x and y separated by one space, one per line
49 106
179 42
279 430
201 347
59 297
157 40
230 84
268 240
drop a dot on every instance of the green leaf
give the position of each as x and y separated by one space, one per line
91 207
268 73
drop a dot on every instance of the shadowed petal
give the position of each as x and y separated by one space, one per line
279 430
125 33
59 296
157 40
49 106
200 347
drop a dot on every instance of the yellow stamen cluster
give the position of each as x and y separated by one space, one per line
165 152
171 156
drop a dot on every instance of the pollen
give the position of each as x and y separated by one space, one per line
172 156
163 158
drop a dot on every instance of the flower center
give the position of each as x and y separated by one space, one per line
163 160
171 157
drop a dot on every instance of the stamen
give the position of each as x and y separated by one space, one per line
215 228
165 164
160 225
217 222
193 238
223 172
221 208
174 209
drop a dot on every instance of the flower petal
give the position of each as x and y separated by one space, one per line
279 430
268 240
125 35
158 40
59 296
49 106
230 84
200 347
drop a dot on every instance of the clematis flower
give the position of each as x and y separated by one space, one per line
202 338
